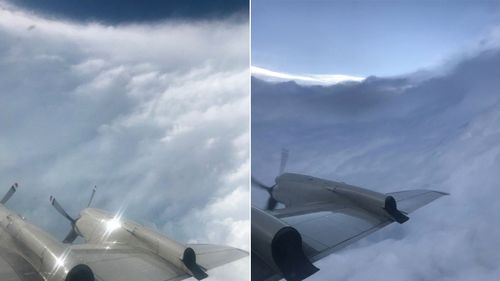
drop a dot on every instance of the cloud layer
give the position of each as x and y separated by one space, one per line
416 131
303 79
155 115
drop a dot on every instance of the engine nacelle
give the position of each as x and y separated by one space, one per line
174 252
279 246
372 201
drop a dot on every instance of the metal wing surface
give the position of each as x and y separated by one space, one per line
211 256
123 263
13 267
326 228
410 200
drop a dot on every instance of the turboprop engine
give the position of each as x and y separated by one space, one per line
174 252
298 189
48 256
372 201
280 246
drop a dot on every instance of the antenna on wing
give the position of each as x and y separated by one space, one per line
9 193
74 232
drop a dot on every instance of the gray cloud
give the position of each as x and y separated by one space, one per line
155 115
437 131
120 11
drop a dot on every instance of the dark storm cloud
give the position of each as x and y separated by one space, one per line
120 11
438 131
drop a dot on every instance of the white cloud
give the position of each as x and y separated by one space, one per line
155 115
302 79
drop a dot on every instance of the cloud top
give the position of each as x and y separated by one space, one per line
303 79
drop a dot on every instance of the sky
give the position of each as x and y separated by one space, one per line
155 113
365 38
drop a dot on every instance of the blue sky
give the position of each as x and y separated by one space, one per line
363 38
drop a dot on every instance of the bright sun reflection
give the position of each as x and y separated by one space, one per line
59 261
113 224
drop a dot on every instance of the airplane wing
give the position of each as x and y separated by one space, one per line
123 263
13 267
326 231
327 227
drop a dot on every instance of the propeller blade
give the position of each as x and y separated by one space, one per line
9 193
71 237
259 184
61 210
284 159
92 196
271 203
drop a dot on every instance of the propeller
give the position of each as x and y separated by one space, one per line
9 193
272 202
74 232
284 160
92 196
